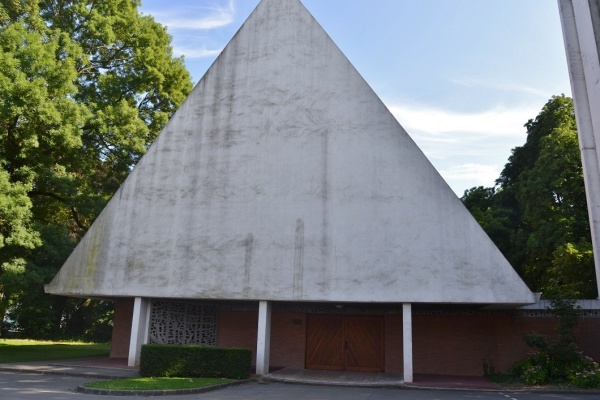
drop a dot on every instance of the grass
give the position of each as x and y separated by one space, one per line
156 383
15 350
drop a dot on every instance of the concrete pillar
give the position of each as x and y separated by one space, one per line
139 330
580 21
263 340
407 345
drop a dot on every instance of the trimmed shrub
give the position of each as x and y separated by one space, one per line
187 361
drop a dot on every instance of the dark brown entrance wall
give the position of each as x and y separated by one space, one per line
238 326
446 340
345 343
461 344
119 346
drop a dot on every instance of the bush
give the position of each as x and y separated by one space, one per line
588 378
187 361
559 361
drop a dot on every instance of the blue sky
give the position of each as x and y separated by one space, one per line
461 76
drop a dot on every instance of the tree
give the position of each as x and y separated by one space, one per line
16 235
85 88
537 213
487 205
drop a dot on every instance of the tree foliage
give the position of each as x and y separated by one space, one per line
85 87
537 213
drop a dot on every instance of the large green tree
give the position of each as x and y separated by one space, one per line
537 213
85 87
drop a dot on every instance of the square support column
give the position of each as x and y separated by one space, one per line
580 24
263 338
139 330
407 345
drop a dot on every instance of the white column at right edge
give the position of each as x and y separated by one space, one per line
580 23
407 345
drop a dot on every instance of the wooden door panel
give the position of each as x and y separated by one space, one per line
363 347
345 343
324 343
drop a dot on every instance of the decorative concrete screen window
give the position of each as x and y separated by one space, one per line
178 322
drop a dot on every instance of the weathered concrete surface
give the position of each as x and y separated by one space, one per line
581 31
284 177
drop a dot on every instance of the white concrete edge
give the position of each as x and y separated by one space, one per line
581 304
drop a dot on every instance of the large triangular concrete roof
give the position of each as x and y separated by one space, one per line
284 177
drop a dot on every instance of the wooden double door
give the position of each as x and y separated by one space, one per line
351 343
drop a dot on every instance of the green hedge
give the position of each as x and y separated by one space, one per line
165 360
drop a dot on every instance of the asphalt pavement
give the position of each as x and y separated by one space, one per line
28 386
59 381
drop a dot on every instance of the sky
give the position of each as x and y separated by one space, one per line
461 76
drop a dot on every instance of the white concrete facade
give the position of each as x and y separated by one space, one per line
263 338
283 177
407 342
581 31
139 330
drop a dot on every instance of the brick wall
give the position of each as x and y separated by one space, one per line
588 336
457 344
237 329
442 344
393 343
288 335
119 347
288 340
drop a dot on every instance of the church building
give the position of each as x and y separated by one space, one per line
284 209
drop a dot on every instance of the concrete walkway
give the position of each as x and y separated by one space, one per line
369 379
336 378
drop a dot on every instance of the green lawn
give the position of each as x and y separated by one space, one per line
156 383
14 350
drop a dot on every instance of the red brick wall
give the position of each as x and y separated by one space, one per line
588 336
288 335
237 329
119 347
288 339
442 344
393 343
460 345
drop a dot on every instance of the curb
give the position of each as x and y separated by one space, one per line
101 367
147 393
398 386
60 373
410 386
267 380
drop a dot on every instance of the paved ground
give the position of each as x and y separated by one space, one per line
103 368
58 380
18 386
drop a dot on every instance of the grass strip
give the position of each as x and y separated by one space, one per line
14 350
156 383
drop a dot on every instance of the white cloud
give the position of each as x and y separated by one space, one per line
435 121
467 148
196 18
476 174
195 53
